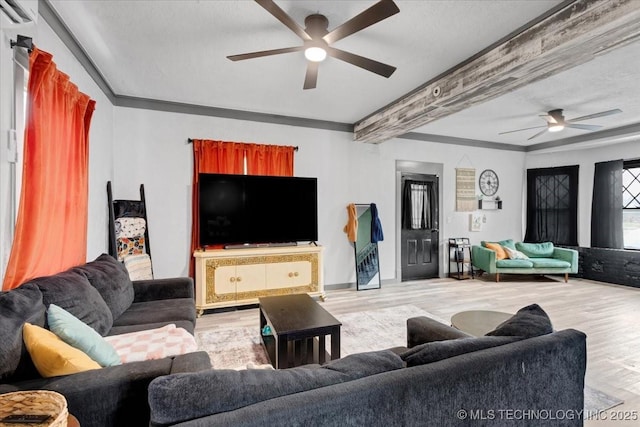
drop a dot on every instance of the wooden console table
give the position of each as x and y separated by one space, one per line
230 277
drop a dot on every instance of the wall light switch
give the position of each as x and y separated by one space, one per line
12 146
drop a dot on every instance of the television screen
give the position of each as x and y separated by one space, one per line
251 209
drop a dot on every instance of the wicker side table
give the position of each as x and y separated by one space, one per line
35 402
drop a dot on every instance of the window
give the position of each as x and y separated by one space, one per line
552 205
631 204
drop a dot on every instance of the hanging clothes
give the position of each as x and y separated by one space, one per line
352 223
376 225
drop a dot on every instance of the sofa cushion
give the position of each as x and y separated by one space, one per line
536 250
78 334
73 292
165 310
439 350
52 356
509 243
549 263
20 305
215 391
529 321
500 253
111 279
514 263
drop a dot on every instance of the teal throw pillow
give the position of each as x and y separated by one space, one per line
78 334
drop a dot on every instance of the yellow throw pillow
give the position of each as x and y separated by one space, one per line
500 253
52 356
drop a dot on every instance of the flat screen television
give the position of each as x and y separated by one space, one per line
251 209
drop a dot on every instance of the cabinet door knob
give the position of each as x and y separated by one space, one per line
296 274
232 279
239 279
290 274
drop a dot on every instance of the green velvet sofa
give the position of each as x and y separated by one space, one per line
539 258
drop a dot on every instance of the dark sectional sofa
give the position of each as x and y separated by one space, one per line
519 376
101 295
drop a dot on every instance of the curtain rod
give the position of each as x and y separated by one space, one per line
22 41
190 140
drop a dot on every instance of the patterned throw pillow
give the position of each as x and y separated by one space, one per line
514 254
130 246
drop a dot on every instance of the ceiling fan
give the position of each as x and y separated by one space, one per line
556 122
317 40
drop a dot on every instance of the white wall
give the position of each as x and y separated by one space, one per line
586 159
155 152
100 138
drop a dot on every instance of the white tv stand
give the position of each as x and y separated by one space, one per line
230 277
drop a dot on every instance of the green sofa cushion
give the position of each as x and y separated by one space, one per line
549 263
536 250
514 263
508 243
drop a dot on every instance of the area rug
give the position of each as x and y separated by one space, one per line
240 347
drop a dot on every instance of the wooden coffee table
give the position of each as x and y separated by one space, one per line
478 322
299 326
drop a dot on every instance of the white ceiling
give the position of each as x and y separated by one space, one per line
175 50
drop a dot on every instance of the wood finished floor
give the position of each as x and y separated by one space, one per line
607 313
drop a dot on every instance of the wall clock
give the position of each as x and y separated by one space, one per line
489 182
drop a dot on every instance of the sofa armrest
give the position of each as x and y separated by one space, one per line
569 255
423 329
191 362
111 396
483 258
158 289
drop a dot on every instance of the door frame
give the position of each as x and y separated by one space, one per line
423 168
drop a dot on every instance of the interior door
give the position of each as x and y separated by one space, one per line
419 233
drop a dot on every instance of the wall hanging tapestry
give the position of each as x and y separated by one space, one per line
466 200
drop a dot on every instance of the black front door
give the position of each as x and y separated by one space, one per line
419 227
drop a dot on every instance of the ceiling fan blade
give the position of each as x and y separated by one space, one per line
376 13
537 134
311 78
362 62
518 130
265 53
595 115
583 127
283 17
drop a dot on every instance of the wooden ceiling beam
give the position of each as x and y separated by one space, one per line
570 37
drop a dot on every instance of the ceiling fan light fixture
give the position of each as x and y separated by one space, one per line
315 54
555 127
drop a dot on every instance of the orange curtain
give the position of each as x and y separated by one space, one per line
211 157
275 160
51 227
